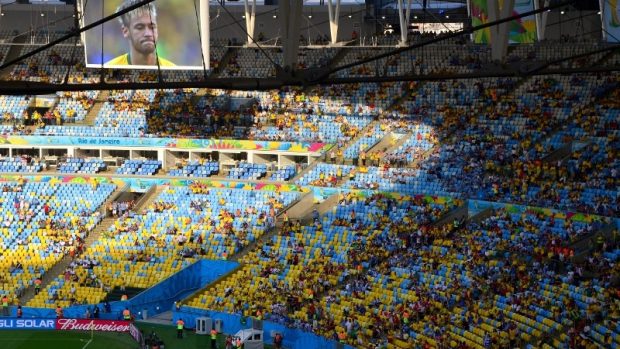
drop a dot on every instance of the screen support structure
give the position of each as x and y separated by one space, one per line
499 9
206 35
603 24
541 18
403 17
334 15
250 19
290 20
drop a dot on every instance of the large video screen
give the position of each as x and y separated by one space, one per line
520 31
168 32
610 17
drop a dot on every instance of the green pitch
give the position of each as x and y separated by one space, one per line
65 340
103 340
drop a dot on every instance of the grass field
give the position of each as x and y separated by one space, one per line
102 340
65 340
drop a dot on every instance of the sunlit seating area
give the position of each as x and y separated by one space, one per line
304 261
181 225
450 212
43 221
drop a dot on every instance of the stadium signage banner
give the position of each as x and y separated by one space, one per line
177 143
27 324
135 333
92 325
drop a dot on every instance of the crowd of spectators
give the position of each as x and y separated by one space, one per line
378 269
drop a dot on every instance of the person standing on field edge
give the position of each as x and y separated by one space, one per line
5 305
277 341
180 325
213 339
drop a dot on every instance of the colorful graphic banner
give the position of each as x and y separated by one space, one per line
178 143
520 31
322 193
610 17
141 185
477 206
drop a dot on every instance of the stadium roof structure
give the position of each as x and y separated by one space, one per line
316 76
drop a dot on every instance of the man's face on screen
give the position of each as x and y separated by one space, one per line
142 33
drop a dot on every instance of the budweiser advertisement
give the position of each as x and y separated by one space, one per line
92 325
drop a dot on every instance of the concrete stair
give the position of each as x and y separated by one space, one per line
359 135
301 208
327 204
268 234
338 57
399 142
94 111
585 246
231 52
482 215
384 144
99 230
148 198
304 171
415 163
559 154
458 213
115 195
212 285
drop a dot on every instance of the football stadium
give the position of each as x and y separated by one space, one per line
309 174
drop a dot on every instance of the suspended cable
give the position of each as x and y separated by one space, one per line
202 54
